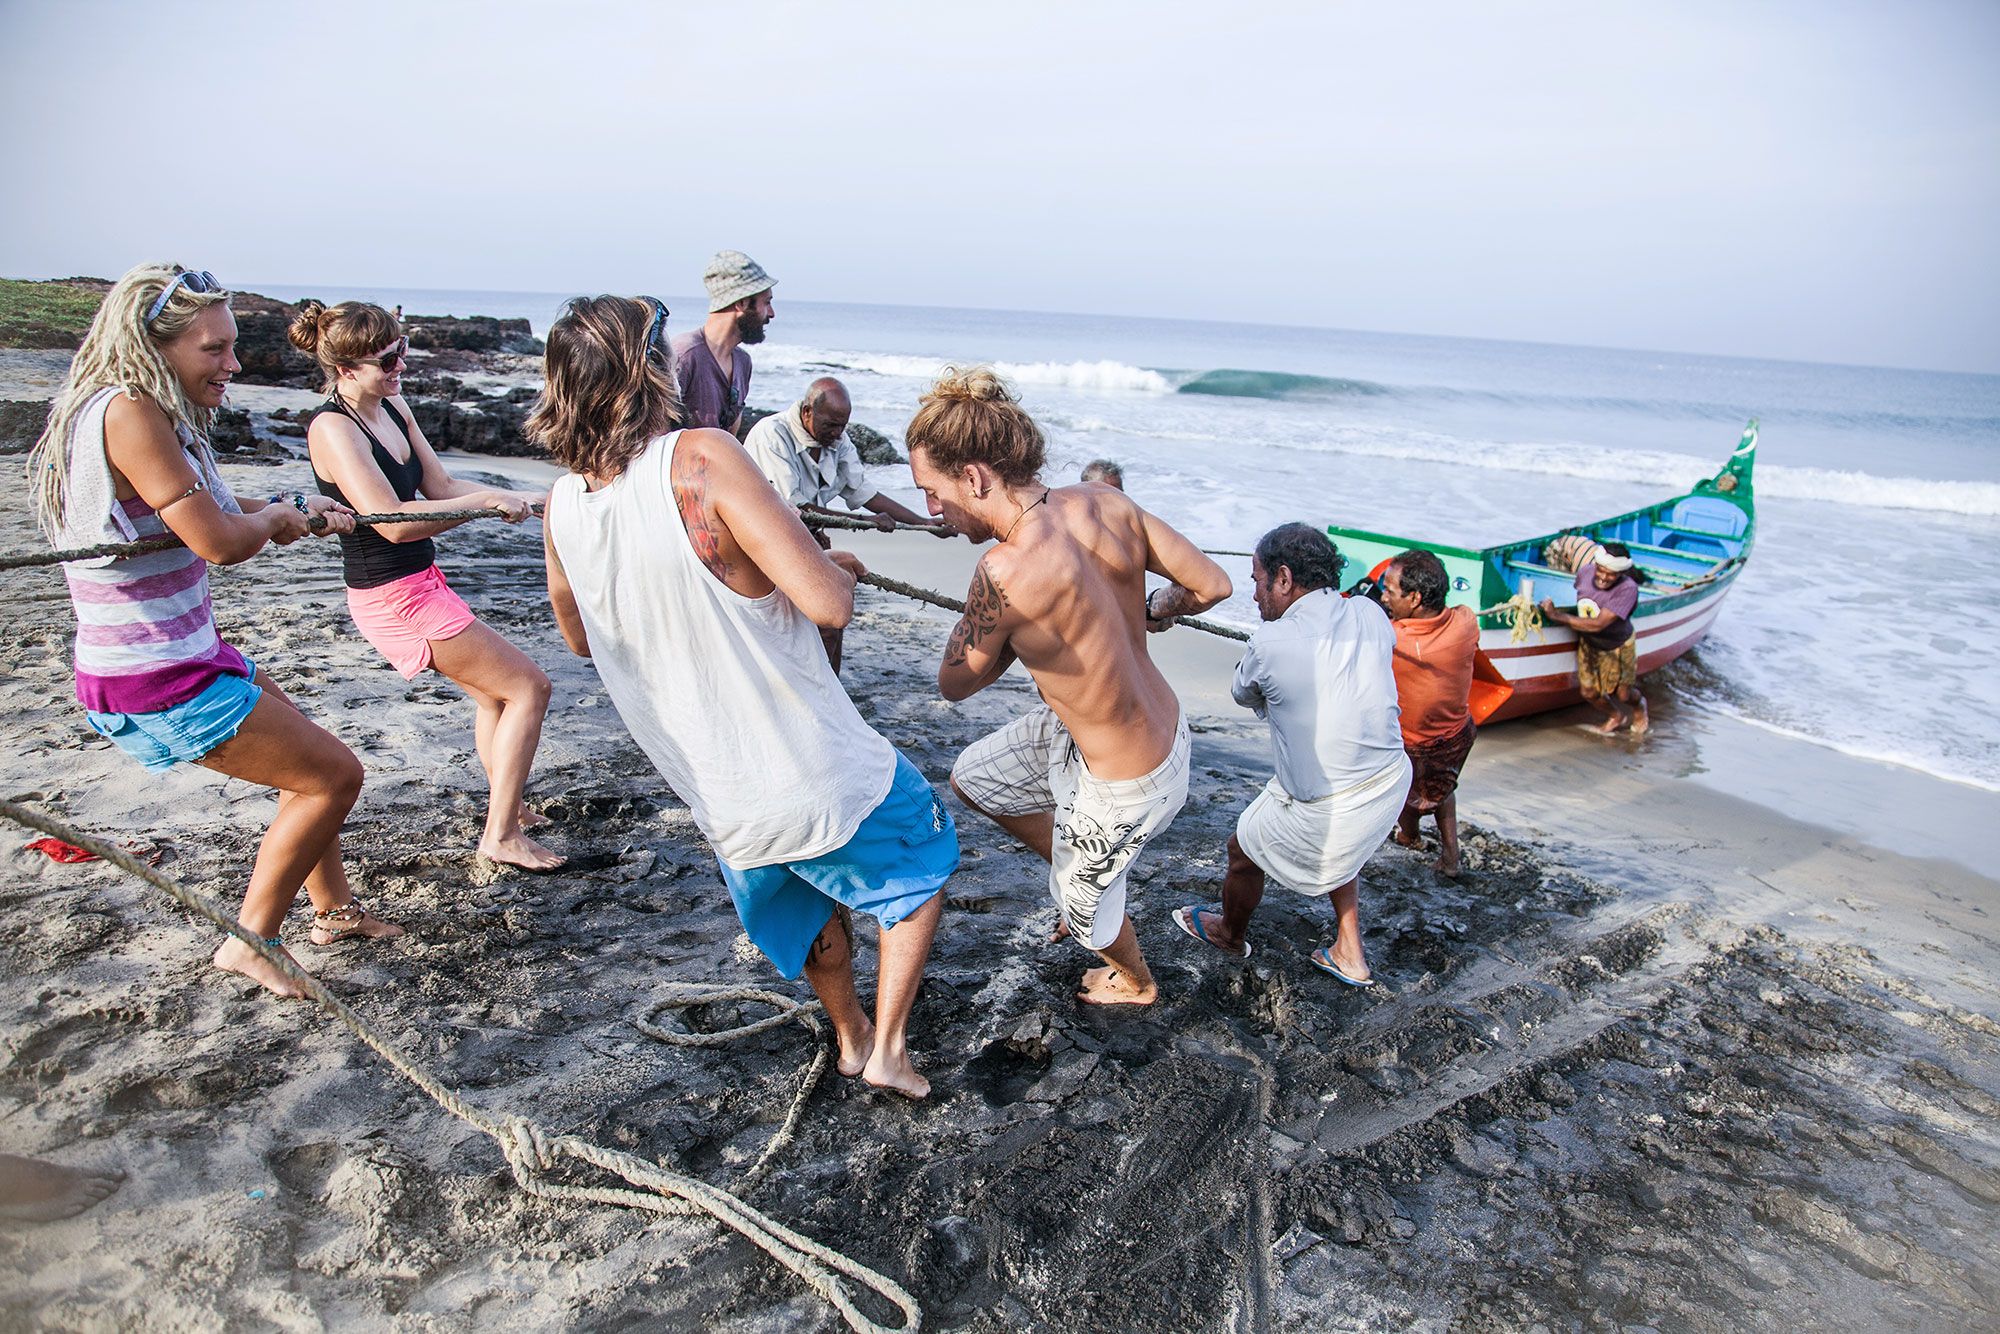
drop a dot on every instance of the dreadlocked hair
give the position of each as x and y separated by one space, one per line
122 349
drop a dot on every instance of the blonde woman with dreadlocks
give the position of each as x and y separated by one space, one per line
126 456
368 451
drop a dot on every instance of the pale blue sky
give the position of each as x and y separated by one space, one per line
1815 181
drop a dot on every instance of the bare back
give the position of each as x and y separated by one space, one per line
1068 592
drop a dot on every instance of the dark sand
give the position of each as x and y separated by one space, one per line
1665 1058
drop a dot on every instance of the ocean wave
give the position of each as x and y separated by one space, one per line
1973 499
1274 384
1099 375
1877 754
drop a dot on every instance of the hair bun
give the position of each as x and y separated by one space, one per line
973 383
304 331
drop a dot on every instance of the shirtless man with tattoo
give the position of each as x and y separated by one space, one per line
691 584
1102 766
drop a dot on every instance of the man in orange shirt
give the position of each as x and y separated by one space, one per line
1435 646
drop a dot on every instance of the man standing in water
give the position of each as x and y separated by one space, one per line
739 306
1102 765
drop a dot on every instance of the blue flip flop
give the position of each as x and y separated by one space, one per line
1188 919
1323 961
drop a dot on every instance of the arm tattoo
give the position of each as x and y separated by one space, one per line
690 481
984 606
1169 602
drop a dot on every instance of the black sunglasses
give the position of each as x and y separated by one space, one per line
196 281
387 361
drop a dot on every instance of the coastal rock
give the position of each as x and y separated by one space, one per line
872 445
471 333
230 431
476 425
264 345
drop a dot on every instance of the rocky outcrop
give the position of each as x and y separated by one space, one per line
872 445
471 333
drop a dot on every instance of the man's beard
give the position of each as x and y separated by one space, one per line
749 327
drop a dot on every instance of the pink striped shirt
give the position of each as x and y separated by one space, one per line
145 630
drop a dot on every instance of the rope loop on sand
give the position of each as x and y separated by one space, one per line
683 995
530 1150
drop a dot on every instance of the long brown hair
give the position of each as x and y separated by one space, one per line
607 391
342 335
971 416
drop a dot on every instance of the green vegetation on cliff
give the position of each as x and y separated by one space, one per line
50 314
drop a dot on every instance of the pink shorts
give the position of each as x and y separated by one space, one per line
402 617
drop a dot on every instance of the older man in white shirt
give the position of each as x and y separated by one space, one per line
1320 671
805 453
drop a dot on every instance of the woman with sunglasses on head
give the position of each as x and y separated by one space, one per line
125 456
369 453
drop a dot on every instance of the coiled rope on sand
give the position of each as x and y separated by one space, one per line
532 1151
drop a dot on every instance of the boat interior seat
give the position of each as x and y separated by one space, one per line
1706 516
1678 553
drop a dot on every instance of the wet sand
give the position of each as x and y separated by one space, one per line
1667 1057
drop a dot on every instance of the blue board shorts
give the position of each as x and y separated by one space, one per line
188 730
897 859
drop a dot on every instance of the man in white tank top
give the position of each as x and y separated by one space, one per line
699 595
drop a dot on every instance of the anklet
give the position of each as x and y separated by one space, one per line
275 942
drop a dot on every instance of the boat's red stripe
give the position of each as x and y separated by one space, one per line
1536 694
1569 645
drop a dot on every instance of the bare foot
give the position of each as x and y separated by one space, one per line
1609 726
519 850
235 957
895 1074
32 1191
529 818
1447 867
351 921
1406 840
1642 719
1062 929
854 1055
1107 986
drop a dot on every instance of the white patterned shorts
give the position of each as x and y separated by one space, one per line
1030 766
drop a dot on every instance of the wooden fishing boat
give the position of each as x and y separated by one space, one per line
1692 547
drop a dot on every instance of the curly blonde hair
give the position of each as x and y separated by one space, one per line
607 391
121 349
972 416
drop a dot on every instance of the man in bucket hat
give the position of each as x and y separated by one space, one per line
739 306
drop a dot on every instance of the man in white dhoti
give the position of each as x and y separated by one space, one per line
1320 671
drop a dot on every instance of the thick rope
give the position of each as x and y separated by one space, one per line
167 540
530 1150
684 994
883 581
1521 615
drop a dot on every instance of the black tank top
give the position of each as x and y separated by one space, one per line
366 560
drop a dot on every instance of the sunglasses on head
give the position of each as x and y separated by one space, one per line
195 281
653 330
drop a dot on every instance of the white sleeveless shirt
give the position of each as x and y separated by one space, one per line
730 697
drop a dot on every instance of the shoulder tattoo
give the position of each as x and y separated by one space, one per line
984 605
690 482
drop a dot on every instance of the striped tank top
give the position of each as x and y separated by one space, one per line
145 629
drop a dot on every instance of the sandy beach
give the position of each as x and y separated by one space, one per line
1677 1053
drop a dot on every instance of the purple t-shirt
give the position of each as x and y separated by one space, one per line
709 398
1619 600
